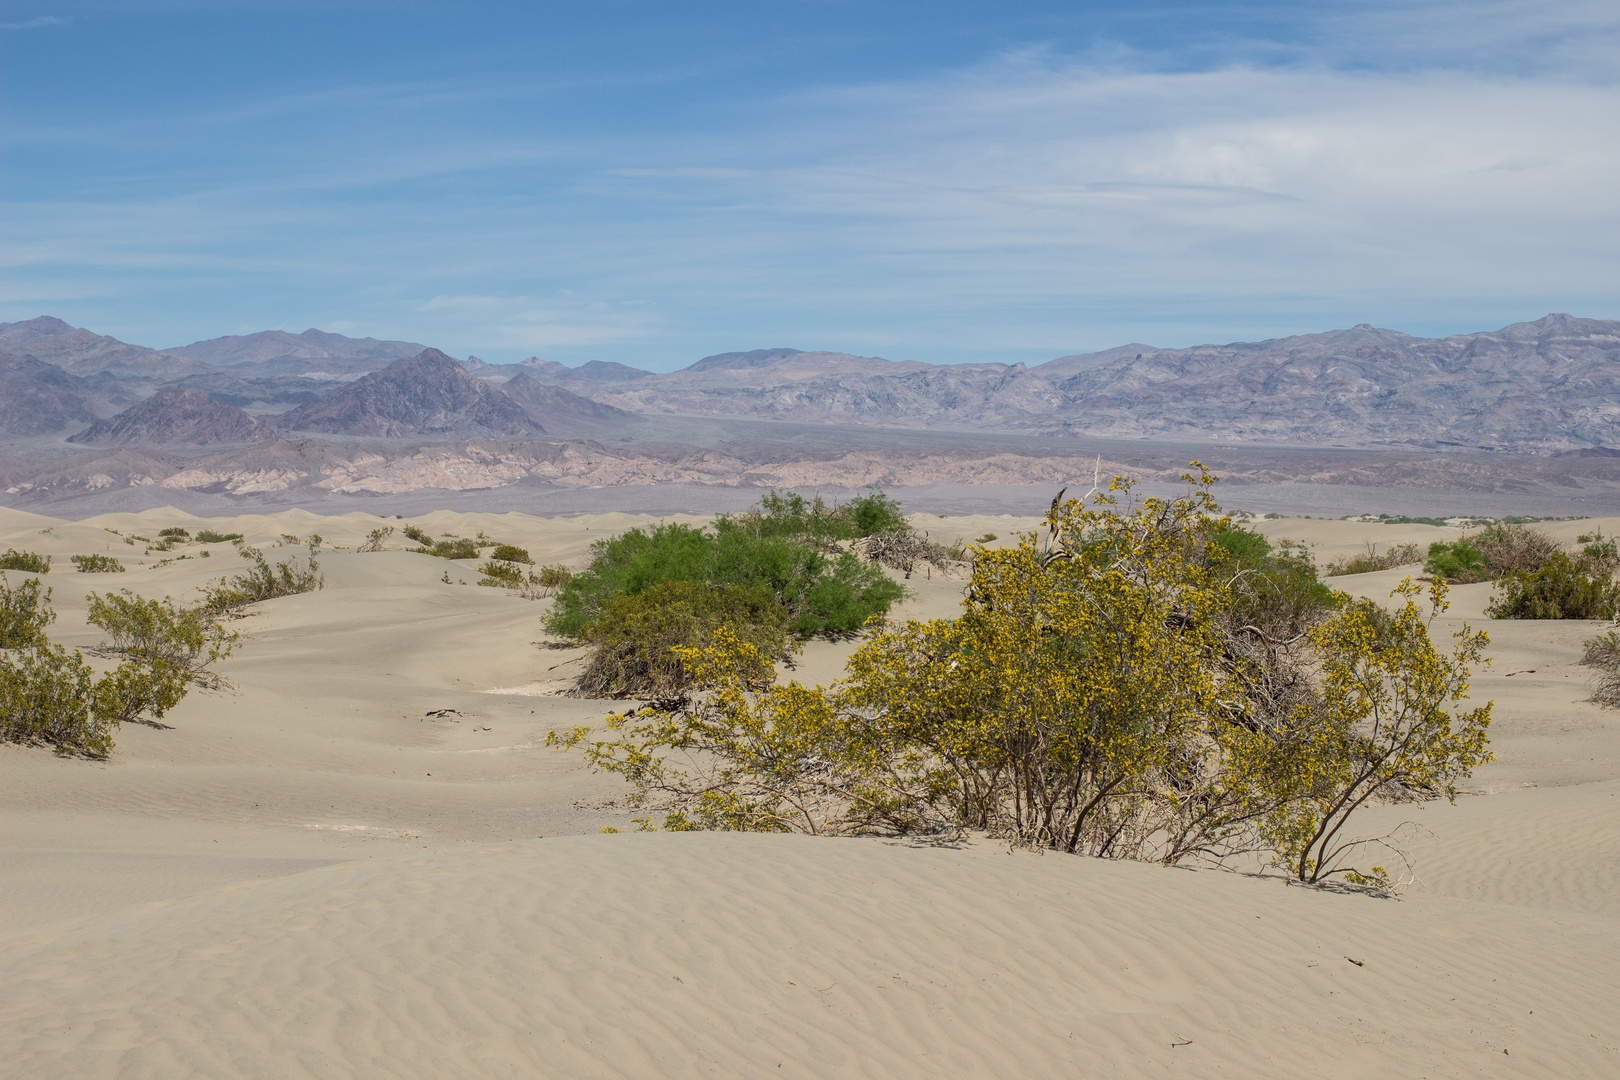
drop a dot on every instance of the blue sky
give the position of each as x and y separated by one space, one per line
944 181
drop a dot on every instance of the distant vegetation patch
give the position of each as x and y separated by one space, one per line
209 536
1370 560
97 564
265 581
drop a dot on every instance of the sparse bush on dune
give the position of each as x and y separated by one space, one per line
1370 560
1514 548
1603 655
511 553
375 539
1457 561
264 581
454 547
97 564
50 695
160 631
27 561
1147 682
209 536
420 535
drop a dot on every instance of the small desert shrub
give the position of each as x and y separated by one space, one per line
1563 588
25 612
97 564
375 538
1458 561
1513 548
638 635
903 550
49 695
1603 654
509 575
1274 588
421 536
510 553
453 548
175 534
159 631
1602 551
1370 560
209 536
263 581
552 577
28 561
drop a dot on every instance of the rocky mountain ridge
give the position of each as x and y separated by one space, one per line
1546 386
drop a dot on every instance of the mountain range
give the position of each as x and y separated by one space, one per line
1546 386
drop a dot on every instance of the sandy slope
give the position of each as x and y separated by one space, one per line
310 876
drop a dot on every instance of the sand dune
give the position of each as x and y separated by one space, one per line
309 875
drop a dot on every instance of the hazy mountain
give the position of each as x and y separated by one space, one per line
428 394
314 352
1548 385
248 391
566 414
85 353
176 417
37 398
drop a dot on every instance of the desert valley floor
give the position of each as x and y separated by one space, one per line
361 860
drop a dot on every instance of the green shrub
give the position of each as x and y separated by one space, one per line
97 564
820 592
552 577
874 513
509 553
453 548
376 538
506 574
175 534
1274 588
159 631
25 560
1563 588
209 536
49 695
420 535
25 612
1600 550
1458 561
637 636
263 582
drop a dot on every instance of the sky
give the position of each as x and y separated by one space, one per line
949 181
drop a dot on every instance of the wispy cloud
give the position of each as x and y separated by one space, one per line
38 22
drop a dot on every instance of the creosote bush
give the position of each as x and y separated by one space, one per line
376 538
210 536
27 561
420 535
1561 588
1603 655
50 695
1145 682
97 564
454 547
511 553
264 581
160 632
1457 561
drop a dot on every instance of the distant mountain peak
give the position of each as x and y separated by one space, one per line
176 417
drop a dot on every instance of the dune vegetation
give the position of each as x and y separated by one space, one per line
1149 682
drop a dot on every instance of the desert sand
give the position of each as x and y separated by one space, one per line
321 872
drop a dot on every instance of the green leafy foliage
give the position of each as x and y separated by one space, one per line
420 535
511 553
454 547
1562 588
50 695
97 564
175 533
209 536
1457 561
25 612
505 574
27 561
155 632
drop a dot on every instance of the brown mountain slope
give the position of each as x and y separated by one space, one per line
176 417
429 394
